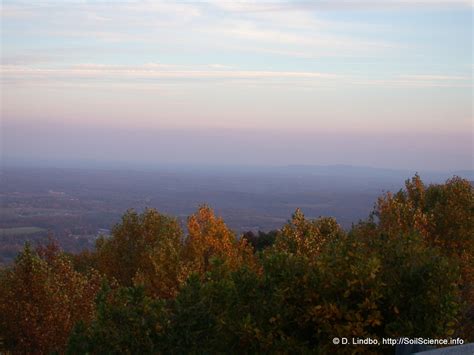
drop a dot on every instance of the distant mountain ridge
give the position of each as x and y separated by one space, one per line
360 171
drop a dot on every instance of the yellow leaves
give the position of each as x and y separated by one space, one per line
169 259
144 249
306 237
337 283
208 238
161 270
442 214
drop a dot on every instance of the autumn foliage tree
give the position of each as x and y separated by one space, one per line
149 249
406 271
208 238
443 215
41 298
306 237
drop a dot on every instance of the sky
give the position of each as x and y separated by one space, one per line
382 83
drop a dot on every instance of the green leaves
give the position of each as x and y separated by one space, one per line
406 271
130 249
127 322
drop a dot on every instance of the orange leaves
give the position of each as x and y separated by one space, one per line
41 299
392 276
209 238
149 249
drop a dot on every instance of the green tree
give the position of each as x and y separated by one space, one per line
136 245
127 322
443 214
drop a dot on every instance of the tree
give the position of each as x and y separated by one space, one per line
306 237
127 322
208 238
41 298
162 270
406 271
135 247
443 214
261 240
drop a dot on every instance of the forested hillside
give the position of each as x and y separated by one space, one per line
406 270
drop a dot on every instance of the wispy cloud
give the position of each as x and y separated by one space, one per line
293 32
283 6
163 73
379 66
147 72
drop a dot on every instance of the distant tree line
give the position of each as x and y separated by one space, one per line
407 270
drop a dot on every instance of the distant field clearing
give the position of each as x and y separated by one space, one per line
20 231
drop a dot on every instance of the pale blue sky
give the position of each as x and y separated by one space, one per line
381 83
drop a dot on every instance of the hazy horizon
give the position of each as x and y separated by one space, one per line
384 84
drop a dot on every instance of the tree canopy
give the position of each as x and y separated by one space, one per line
150 288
